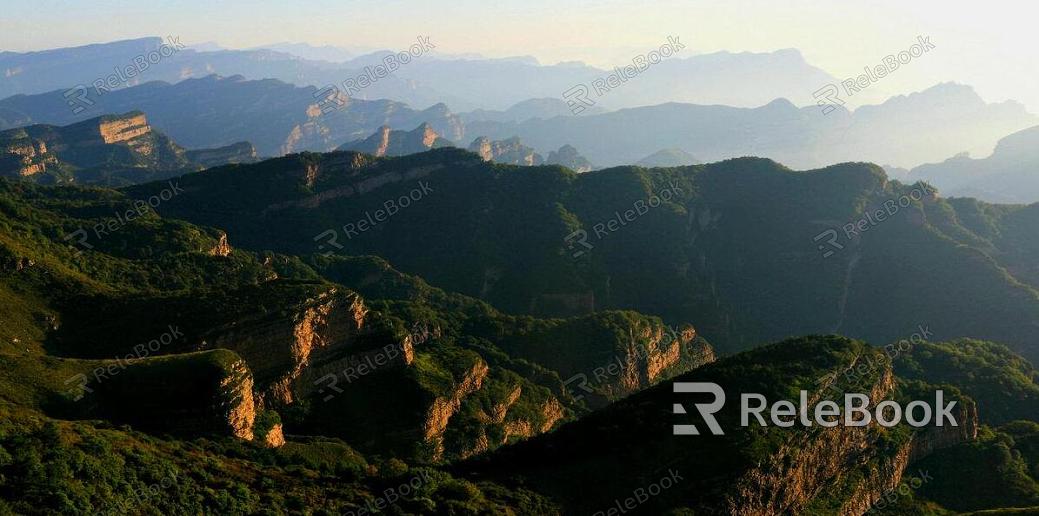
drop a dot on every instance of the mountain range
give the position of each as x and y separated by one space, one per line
1008 175
214 111
112 149
713 243
907 131
279 118
741 79
342 366
226 288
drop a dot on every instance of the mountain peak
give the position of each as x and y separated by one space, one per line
389 142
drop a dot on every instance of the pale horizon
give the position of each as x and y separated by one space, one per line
989 49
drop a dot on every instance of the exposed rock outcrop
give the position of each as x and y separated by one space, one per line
236 403
279 349
651 354
208 392
123 128
274 438
388 142
551 412
443 407
222 247
510 151
796 473
110 142
846 455
932 439
23 156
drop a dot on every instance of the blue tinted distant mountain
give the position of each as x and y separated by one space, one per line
741 79
216 111
1009 175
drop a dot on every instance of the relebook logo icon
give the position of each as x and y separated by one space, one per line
706 410
858 410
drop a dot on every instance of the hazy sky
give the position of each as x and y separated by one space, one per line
990 45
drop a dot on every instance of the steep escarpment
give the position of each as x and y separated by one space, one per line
607 356
417 375
796 472
753 469
191 394
510 151
22 155
123 129
387 142
714 236
125 140
113 150
279 349
443 407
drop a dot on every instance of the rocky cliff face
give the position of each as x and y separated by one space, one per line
111 142
222 247
279 350
650 353
22 156
611 370
752 469
936 438
796 474
850 457
510 151
123 128
387 142
235 404
209 392
443 407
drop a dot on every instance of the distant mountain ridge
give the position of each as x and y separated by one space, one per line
279 118
215 111
668 158
739 79
1009 175
904 131
511 151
